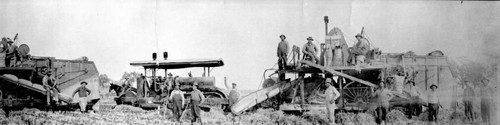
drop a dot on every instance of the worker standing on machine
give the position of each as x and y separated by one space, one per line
282 55
10 58
83 92
50 84
3 51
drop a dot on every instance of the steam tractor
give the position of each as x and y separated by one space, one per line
21 82
355 79
153 90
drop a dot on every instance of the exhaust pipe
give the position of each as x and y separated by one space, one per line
326 25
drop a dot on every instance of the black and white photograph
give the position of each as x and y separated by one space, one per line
249 62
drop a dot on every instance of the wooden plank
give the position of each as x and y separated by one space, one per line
337 73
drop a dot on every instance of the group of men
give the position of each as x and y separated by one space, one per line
414 106
310 51
8 52
52 93
197 98
486 97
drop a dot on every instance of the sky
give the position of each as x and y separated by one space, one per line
245 34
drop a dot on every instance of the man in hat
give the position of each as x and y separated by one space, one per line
433 103
126 86
83 92
331 95
197 98
487 102
50 84
234 94
413 106
177 98
282 55
382 95
310 51
360 48
10 57
468 99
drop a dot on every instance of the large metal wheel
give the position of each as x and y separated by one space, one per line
357 94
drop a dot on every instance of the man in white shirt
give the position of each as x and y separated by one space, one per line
433 103
331 95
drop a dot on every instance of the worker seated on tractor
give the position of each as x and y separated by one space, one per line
310 51
358 51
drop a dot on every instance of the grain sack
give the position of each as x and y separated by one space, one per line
25 82
11 77
39 87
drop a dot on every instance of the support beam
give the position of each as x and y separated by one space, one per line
337 73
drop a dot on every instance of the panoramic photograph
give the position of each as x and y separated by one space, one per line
283 62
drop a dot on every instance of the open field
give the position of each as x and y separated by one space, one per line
125 115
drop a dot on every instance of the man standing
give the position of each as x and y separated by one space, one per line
83 92
486 101
3 51
50 84
234 94
10 58
361 48
197 98
414 107
282 55
433 103
177 98
468 99
310 51
383 96
331 95
7 104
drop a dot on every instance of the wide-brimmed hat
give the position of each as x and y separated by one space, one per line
282 36
234 83
358 35
84 83
169 74
433 85
309 38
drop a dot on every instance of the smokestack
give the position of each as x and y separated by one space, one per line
165 55
154 56
326 25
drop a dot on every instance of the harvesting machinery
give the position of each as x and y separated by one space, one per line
303 87
22 81
153 90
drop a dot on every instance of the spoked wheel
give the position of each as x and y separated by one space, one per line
357 94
